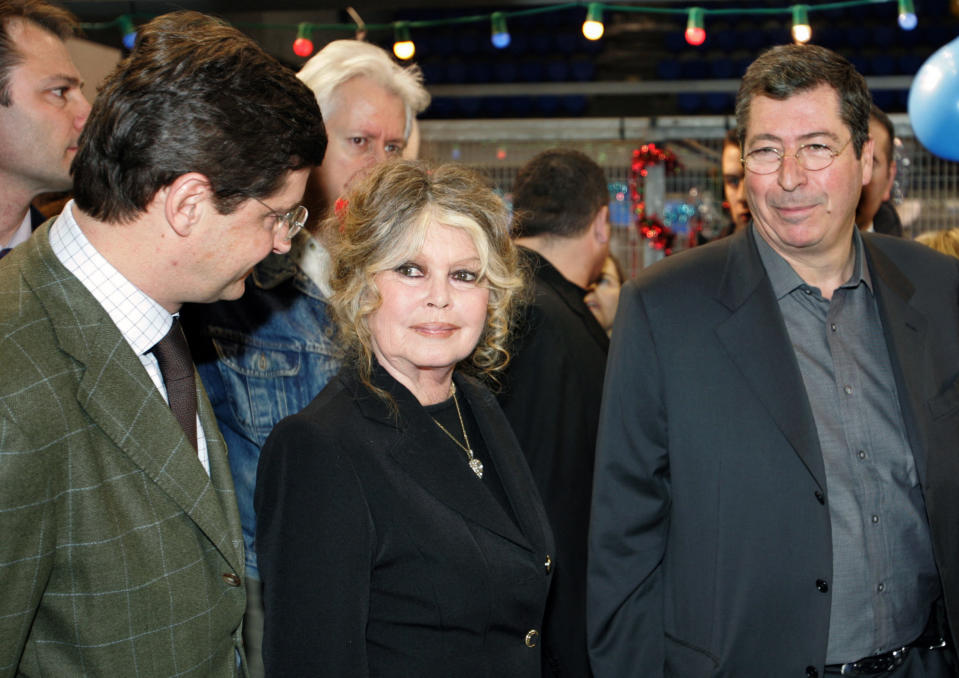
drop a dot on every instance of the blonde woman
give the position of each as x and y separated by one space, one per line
399 530
945 241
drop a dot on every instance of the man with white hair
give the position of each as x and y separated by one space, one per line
265 356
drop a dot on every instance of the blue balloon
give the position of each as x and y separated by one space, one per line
934 102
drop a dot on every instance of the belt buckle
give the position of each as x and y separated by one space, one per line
881 663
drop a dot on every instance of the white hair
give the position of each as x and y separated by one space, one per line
343 60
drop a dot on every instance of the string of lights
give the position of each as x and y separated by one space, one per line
593 27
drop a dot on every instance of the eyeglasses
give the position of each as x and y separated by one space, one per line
288 224
811 157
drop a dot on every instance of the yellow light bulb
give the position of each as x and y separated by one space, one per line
593 26
403 46
801 30
593 30
404 50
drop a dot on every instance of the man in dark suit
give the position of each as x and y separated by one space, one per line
122 553
777 475
875 212
554 382
42 111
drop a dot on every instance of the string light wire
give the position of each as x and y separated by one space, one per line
906 17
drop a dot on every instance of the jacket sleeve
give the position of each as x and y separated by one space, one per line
29 500
314 540
630 510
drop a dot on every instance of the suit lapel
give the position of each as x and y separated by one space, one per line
756 339
221 479
510 465
905 331
121 400
431 460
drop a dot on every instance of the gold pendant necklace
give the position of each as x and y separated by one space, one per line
474 463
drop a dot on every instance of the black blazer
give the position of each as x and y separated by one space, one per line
710 531
383 555
552 394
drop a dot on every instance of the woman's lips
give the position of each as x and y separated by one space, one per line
435 329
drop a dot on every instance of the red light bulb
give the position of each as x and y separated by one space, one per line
695 36
303 47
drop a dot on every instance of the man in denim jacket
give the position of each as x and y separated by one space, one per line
267 355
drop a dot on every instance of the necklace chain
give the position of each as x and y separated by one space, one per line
475 464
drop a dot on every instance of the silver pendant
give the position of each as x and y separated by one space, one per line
477 466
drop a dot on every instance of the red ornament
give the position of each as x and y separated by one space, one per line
303 47
651 228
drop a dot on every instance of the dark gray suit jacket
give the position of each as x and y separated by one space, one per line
710 525
382 554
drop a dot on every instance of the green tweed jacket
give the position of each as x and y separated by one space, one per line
119 556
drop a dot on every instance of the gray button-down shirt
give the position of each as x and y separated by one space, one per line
884 575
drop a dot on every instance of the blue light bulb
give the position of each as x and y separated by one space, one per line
907 21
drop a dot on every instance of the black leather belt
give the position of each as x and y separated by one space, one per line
871 666
930 639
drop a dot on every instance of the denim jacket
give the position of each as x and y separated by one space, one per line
262 357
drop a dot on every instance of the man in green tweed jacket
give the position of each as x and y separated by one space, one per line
121 552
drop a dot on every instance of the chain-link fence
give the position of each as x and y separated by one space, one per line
926 192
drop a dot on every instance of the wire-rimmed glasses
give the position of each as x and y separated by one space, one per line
811 157
290 223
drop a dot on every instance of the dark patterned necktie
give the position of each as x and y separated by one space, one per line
4 252
176 366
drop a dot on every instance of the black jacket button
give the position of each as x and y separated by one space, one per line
820 497
822 585
811 672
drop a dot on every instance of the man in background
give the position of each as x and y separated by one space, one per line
734 186
122 552
875 212
267 355
776 474
553 384
42 111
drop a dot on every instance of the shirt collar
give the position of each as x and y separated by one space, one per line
784 279
22 233
141 320
542 267
313 259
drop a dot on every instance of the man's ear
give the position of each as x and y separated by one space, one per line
866 160
184 201
600 226
892 178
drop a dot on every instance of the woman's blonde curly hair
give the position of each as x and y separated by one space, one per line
945 241
383 224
